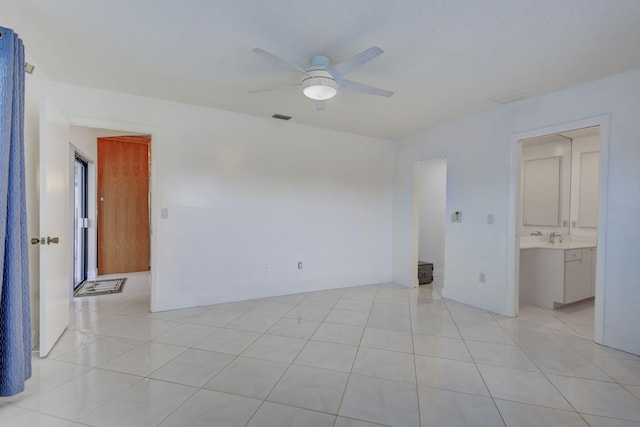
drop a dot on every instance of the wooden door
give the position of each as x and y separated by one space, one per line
123 204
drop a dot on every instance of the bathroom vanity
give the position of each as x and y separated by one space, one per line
554 274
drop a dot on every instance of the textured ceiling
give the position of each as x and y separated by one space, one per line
443 59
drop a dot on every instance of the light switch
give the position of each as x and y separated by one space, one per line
456 216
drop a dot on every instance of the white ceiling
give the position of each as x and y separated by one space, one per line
443 59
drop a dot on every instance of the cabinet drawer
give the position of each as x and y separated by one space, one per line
572 254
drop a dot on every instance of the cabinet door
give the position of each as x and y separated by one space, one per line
577 280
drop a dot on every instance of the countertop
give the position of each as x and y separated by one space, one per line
571 244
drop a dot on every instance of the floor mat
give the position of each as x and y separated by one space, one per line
90 288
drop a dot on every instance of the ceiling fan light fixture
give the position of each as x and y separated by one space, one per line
319 92
320 86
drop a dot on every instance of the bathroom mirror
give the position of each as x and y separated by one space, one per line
541 192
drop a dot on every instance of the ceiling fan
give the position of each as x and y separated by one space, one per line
321 82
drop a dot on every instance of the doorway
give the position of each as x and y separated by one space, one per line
432 190
80 220
559 228
123 204
572 225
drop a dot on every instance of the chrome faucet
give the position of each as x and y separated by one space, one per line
552 237
536 233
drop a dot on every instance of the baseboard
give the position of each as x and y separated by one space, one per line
176 303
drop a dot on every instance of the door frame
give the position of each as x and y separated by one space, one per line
91 207
80 158
514 215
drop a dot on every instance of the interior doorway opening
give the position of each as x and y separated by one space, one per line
84 218
431 183
560 207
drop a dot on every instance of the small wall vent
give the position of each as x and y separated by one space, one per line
281 117
511 97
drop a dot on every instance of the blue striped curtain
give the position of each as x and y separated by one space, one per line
15 322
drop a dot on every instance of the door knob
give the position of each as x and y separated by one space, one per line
52 240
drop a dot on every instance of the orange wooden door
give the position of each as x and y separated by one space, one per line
123 204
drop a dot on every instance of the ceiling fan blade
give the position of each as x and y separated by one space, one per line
269 89
362 88
270 55
321 105
345 67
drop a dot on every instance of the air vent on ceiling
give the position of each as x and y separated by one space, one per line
281 117
511 97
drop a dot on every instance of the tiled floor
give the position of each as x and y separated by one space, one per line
364 356
574 318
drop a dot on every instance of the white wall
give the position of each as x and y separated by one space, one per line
249 197
478 170
477 185
433 185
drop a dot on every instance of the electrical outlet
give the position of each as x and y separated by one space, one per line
300 265
483 278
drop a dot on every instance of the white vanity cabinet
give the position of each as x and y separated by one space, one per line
550 277
577 275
